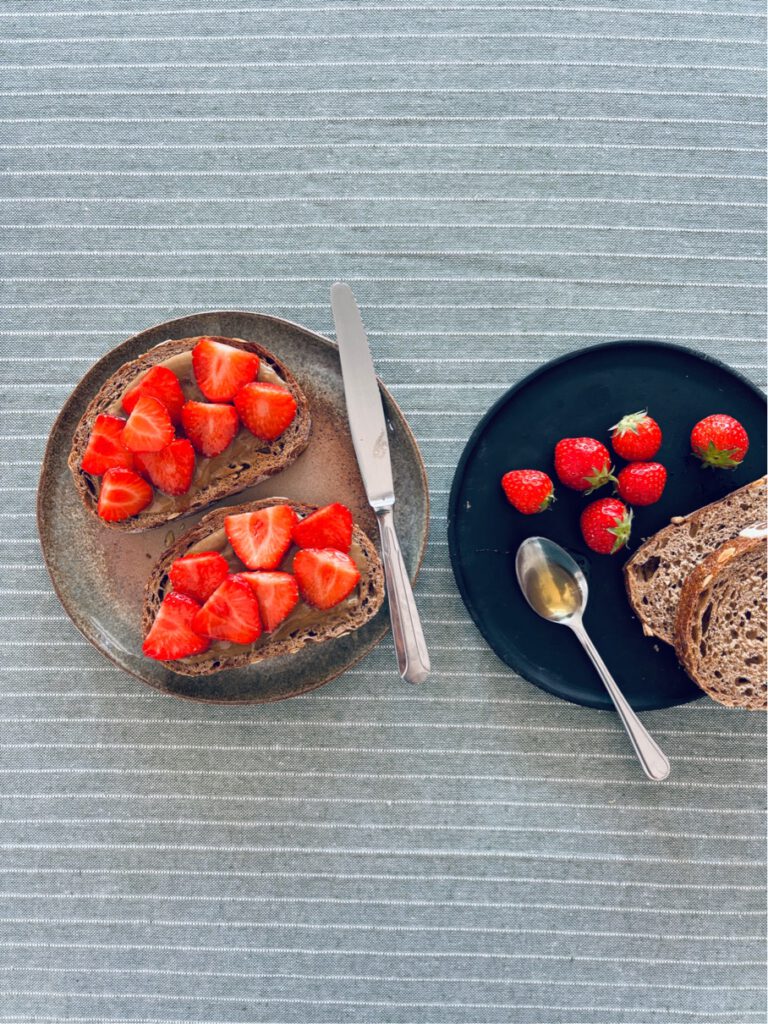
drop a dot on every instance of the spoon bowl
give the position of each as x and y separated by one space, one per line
551 581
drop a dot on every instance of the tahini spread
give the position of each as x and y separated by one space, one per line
243 449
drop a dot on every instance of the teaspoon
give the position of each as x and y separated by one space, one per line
556 588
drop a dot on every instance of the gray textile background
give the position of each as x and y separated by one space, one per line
500 182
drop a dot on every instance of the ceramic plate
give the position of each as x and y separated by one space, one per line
99 574
577 395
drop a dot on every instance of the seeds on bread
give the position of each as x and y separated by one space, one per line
655 574
720 626
226 474
296 631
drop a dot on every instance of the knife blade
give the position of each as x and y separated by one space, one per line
371 443
364 408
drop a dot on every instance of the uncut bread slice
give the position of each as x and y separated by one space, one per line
303 626
721 627
656 572
245 463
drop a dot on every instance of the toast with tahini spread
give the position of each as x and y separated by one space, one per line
181 479
281 550
655 574
721 627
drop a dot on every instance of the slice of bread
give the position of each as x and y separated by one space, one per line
721 627
655 574
348 616
227 474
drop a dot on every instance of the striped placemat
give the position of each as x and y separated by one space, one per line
500 183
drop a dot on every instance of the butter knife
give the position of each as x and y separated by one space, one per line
369 436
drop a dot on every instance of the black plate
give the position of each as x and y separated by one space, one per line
582 394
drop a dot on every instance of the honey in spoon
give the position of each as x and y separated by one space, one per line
552 591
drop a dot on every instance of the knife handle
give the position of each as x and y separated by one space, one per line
411 649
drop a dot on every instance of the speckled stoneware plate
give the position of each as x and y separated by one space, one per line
99 574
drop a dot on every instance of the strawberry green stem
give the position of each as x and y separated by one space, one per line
621 531
630 422
550 498
718 458
599 478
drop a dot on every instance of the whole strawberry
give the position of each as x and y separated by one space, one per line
641 483
606 525
719 441
583 464
528 490
636 436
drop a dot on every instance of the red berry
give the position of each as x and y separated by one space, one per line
170 470
261 539
636 437
277 594
149 427
171 635
123 494
199 574
210 427
325 576
720 441
265 409
528 490
221 370
329 527
606 525
105 447
230 613
642 483
160 383
583 464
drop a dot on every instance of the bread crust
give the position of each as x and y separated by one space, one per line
370 600
632 568
694 597
268 457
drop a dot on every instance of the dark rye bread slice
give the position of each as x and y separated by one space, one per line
721 627
655 574
266 458
328 625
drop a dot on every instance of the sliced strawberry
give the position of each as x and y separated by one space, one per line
261 539
170 470
198 575
329 527
160 383
149 427
210 427
230 613
123 494
277 594
266 409
105 446
172 635
325 576
221 370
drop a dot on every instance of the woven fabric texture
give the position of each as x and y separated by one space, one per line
500 183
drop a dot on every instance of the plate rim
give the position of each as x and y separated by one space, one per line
468 450
41 511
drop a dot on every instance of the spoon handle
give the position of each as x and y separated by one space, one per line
651 757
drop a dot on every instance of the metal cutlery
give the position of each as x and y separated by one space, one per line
371 443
